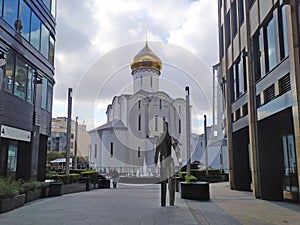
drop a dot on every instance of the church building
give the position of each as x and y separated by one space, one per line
134 121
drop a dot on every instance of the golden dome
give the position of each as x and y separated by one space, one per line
146 59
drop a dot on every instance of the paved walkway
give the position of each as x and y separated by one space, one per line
140 205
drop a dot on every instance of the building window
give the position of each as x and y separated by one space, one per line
9 74
139 104
227 30
24 16
156 123
45 39
250 3
221 42
51 50
139 122
257 52
271 45
10 11
139 152
283 27
160 104
95 151
20 79
35 31
241 12
47 94
12 157
111 150
234 18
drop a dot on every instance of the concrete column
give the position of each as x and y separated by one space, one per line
293 37
252 112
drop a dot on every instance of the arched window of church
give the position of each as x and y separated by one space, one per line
160 104
139 104
179 109
140 122
141 78
139 152
156 123
151 82
95 153
111 150
179 126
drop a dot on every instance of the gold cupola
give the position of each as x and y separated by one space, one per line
146 59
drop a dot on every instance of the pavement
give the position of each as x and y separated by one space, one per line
140 205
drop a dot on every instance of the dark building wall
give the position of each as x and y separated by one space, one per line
270 132
242 174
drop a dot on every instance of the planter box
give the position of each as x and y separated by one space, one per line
33 195
44 192
73 188
55 189
11 203
104 183
195 190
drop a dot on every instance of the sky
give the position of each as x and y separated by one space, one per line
96 39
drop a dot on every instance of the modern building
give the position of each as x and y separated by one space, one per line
259 64
135 121
27 43
58 139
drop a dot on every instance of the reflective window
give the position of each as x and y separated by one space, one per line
240 70
227 29
47 4
24 17
233 18
1 3
35 33
44 93
20 79
10 11
49 97
271 44
30 85
284 33
12 157
9 73
45 41
241 12
51 50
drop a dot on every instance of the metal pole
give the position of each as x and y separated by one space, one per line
76 136
205 145
68 131
188 131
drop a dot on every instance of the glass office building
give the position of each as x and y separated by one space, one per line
27 44
259 60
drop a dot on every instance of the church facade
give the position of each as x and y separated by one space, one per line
134 122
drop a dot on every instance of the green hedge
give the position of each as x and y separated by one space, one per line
182 174
66 179
190 178
90 173
8 188
77 171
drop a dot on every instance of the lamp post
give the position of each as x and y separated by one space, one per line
68 130
188 131
76 136
205 145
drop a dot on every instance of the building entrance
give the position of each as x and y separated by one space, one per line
290 180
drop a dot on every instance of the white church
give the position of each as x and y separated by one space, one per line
134 121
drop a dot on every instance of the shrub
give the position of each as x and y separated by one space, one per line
66 179
182 174
8 188
74 177
78 171
50 174
190 178
90 173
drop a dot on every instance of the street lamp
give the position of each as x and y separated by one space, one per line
69 130
188 131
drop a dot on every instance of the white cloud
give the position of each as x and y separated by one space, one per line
87 30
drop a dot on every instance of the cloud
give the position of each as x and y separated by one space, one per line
89 30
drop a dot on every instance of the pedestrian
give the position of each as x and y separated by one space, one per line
115 177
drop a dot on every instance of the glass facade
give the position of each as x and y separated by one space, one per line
20 16
47 93
19 78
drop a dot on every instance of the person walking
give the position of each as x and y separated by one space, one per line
115 177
